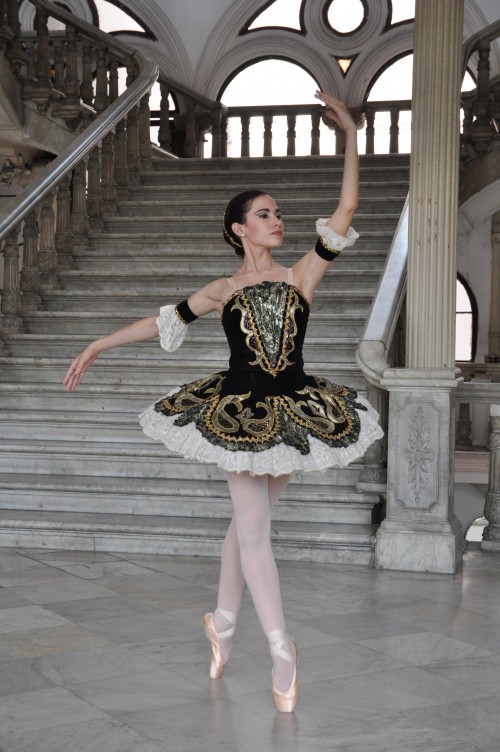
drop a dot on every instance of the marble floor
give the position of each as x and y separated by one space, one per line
104 653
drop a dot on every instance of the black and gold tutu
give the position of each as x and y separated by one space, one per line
263 414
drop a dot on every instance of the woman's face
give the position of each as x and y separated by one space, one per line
263 225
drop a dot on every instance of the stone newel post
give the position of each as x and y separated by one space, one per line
420 532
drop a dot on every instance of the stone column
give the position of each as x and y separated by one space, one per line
494 329
491 534
421 532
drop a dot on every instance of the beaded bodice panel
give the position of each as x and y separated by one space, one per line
265 325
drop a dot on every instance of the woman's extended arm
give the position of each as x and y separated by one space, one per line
136 332
203 301
311 268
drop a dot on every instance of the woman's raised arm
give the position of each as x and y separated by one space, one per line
310 269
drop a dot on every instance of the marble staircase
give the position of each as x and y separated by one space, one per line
76 470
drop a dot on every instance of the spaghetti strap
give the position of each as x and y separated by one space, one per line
290 276
231 284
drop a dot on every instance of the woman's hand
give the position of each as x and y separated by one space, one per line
336 111
80 364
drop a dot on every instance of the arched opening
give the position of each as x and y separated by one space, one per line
272 81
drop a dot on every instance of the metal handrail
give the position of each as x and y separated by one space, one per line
374 344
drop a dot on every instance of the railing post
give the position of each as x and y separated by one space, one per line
268 135
133 160
30 273
64 237
245 135
101 82
16 54
47 253
145 152
491 533
86 89
190 138
11 304
223 137
42 90
394 131
464 428
94 206
339 140
216 132
315 133
481 131
370 131
291 120
59 64
79 218
164 132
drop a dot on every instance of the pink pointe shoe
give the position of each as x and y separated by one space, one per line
217 662
286 701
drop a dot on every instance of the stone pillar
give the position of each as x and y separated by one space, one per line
421 532
494 328
491 534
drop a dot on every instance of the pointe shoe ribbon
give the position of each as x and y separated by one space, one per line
217 662
285 701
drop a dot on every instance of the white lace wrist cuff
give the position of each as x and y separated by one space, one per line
335 241
170 328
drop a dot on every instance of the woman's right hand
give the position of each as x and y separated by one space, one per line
80 364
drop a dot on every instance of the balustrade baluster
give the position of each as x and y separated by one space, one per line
133 159
370 132
164 132
30 273
216 133
101 84
42 89
31 54
11 296
108 188
339 140
291 120
491 534
315 133
86 89
190 138
394 131
94 206
145 151
47 253
59 64
16 53
223 136
64 236
245 135
463 439
481 130
5 32
113 79
268 135
121 167
79 218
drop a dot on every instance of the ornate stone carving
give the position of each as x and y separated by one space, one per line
419 455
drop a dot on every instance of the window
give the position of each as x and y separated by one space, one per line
466 322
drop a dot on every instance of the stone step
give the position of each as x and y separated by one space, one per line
71 433
293 541
109 256
141 304
150 497
164 374
392 187
173 204
325 350
173 224
185 241
96 324
163 277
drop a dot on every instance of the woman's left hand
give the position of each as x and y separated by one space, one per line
336 111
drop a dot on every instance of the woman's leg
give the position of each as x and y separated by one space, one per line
232 584
252 519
